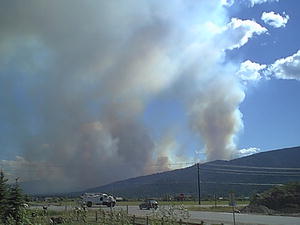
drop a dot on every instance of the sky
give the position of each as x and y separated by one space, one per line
98 91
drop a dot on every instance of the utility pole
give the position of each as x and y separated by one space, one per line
199 196
232 203
215 198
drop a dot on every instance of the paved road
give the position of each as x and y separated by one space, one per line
227 218
212 217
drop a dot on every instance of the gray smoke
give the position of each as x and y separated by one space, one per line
76 77
216 117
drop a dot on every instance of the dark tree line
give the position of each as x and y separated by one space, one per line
11 201
281 198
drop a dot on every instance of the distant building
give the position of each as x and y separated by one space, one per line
183 197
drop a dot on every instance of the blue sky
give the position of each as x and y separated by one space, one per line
270 115
280 42
271 107
137 86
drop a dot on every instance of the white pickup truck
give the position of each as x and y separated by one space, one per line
90 199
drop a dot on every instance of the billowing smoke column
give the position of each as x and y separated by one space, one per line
217 118
76 77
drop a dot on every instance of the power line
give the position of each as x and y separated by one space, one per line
258 173
198 173
171 164
254 167
208 182
121 164
253 171
204 167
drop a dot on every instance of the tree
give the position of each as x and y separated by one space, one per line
285 197
4 194
15 203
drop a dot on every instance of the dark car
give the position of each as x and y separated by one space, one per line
149 204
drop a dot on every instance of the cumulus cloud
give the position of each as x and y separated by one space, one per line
238 32
274 19
286 68
247 151
250 71
254 2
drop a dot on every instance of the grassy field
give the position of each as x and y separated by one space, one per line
74 202
100 217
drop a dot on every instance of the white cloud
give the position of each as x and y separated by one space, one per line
247 151
238 32
227 2
286 68
250 71
254 2
275 20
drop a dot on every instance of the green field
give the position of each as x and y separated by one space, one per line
100 217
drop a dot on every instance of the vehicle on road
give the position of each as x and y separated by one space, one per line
237 211
149 204
90 199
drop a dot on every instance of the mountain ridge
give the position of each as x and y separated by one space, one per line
213 181
213 178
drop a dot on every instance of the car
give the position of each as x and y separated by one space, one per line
237 211
90 199
149 204
25 205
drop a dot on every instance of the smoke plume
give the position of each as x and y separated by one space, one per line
76 77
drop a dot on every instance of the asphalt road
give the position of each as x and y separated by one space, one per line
227 218
209 217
